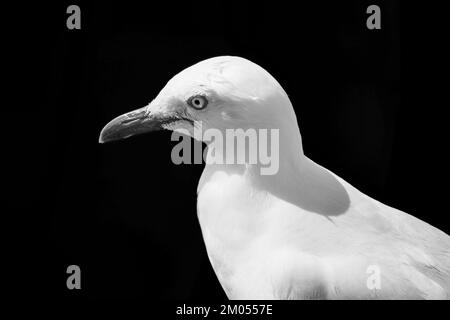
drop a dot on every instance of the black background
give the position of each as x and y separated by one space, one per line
123 211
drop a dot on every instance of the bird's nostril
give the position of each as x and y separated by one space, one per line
128 121
134 116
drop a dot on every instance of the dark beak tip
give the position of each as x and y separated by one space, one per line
102 139
127 125
110 131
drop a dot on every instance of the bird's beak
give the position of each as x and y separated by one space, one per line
130 124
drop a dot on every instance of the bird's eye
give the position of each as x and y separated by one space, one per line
198 102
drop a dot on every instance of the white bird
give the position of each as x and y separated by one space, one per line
302 233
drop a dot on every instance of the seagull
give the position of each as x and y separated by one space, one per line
302 232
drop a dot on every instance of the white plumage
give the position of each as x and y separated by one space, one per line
303 233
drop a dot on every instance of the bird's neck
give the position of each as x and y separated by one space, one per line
298 180
279 157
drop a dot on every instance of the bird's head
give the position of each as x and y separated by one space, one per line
221 93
